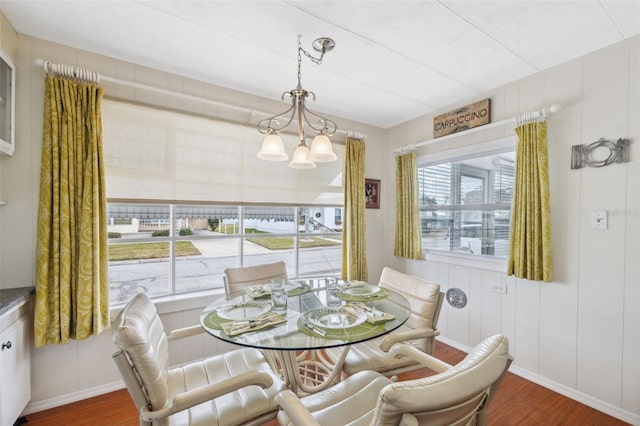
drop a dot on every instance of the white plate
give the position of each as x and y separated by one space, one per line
329 318
245 310
364 290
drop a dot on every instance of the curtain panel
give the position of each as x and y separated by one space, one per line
530 232
408 241
354 253
72 298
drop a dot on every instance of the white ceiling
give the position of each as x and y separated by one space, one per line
393 61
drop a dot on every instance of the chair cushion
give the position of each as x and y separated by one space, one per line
238 278
349 403
234 408
421 294
464 381
139 332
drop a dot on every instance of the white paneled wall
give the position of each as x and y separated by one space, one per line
579 334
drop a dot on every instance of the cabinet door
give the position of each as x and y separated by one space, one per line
15 371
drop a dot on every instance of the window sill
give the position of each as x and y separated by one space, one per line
178 302
498 264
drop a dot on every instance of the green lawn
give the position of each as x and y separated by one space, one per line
133 251
280 243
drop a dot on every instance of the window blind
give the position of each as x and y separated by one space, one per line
165 155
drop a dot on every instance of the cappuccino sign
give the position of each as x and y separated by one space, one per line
465 118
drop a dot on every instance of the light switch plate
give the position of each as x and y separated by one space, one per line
599 220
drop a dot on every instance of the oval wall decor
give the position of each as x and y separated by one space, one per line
456 298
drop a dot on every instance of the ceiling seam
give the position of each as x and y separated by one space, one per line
488 33
423 65
398 95
607 11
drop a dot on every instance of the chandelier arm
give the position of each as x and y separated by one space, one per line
329 127
266 126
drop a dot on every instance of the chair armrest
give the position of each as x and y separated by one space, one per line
298 413
408 419
206 393
181 333
404 335
420 357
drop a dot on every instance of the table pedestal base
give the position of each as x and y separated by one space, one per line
308 371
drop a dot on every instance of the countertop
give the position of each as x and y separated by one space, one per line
12 297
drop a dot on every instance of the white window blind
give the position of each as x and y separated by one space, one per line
465 202
164 155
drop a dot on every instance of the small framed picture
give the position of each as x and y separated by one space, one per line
372 193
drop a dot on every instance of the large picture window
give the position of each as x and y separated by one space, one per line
164 249
241 211
465 204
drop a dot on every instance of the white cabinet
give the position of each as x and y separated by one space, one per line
15 365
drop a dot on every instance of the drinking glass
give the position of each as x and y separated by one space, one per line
334 293
278 296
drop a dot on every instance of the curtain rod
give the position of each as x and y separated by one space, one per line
78 73
526 117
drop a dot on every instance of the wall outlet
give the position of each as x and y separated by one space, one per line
498 288
599 220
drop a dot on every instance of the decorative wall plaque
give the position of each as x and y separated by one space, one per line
465 118
456 298
599 153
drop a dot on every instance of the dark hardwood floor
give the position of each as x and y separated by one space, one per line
517 402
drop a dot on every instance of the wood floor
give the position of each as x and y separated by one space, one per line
517 402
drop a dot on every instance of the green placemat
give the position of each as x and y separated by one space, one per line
362 331
214 321
382 294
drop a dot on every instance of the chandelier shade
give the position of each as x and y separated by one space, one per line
273 149
300 159
321 149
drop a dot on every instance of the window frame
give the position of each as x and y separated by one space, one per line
434 154
240 238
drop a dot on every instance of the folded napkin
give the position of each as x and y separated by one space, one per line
233 328
352 284
374 316
259 291
263 291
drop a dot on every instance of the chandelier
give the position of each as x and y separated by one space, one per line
321 149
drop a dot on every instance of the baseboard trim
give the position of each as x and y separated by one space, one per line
582 398
46 404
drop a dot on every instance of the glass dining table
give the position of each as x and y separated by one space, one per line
308 343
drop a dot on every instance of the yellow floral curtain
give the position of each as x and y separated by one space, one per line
72 299
354 253
530 232
408 241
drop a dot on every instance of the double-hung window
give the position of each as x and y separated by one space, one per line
465 202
